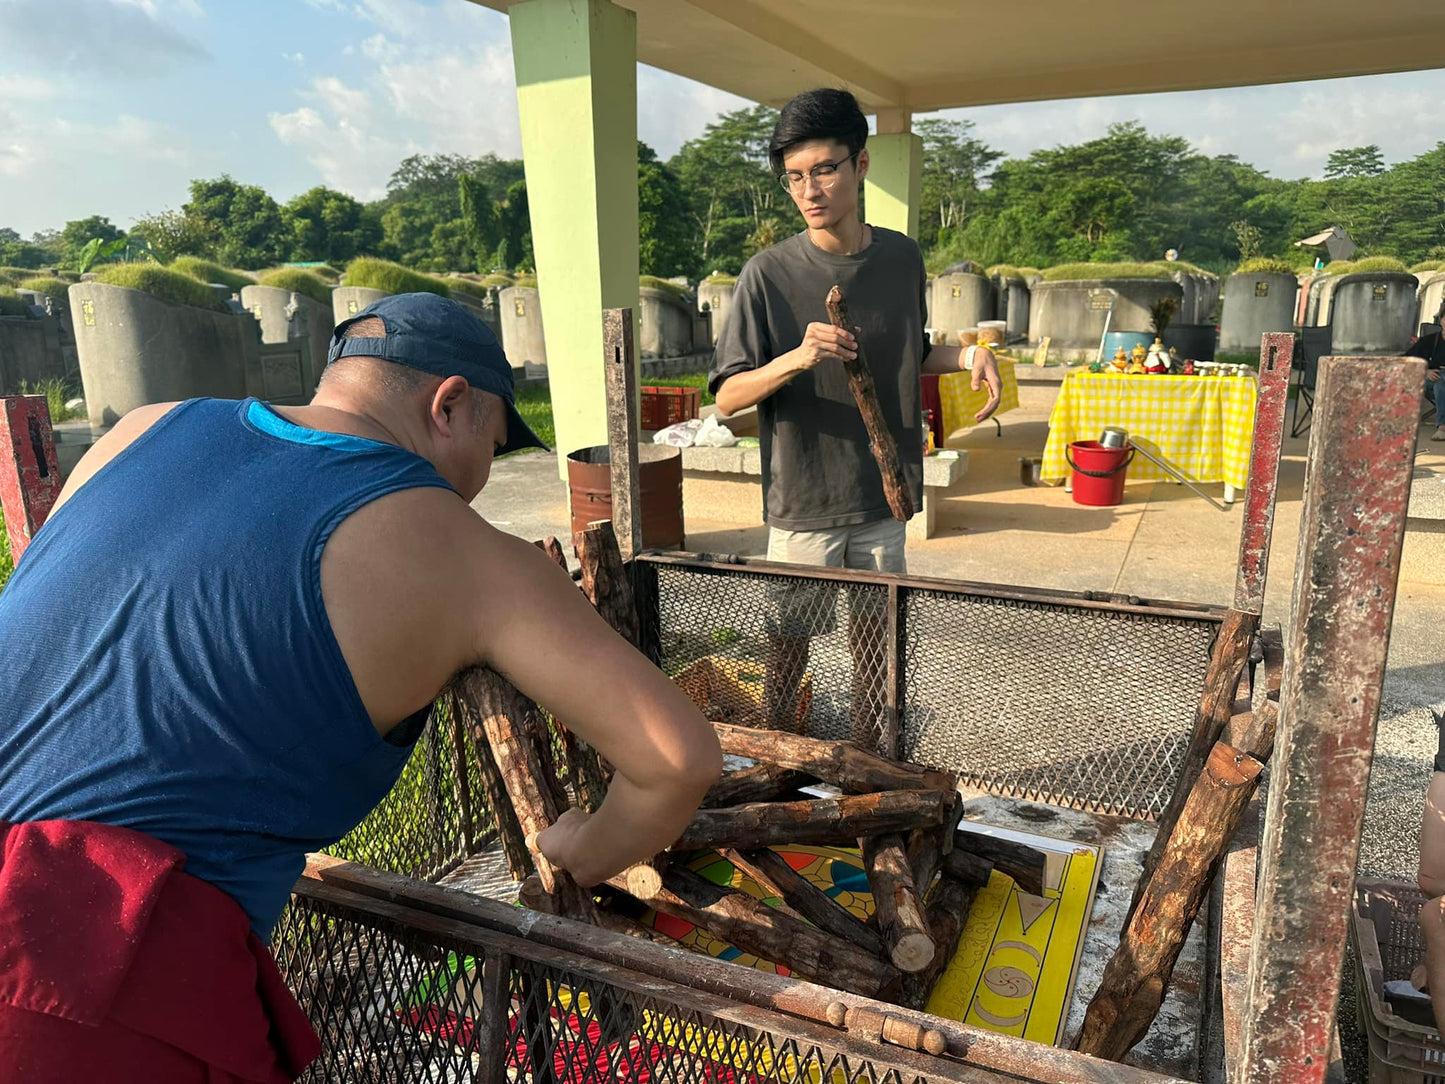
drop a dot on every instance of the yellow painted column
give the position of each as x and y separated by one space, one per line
576 66
893 189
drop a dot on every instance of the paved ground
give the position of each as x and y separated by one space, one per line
1163 542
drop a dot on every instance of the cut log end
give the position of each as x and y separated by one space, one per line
643 881
913 952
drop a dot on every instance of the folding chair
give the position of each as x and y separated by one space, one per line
1312 344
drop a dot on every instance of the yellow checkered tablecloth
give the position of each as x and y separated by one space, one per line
961 402
1202 426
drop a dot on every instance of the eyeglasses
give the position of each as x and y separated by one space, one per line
825 174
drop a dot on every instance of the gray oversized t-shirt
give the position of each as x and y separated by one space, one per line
817 469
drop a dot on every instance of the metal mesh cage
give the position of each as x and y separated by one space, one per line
395 1001
425 825
1050 697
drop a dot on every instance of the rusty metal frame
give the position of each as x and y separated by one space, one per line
1352 530
1262 491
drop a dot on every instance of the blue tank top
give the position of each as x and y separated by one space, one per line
168 663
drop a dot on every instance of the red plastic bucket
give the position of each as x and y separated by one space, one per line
1098 472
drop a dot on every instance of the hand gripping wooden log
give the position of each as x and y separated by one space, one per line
843 764
896 905
819 822
771 870
767 933
496 713
1138 973
880 439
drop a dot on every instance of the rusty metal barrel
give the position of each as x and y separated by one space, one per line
589 491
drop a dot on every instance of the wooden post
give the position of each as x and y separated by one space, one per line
1138 974
896 692
767 933
509 829
1352 528
604 579
759 783
496 1016
816 822
771 870
1216 705
1025 864
29 471
620 367
895 903
459 770
843 764
1276 350
947 915
880 438
500 709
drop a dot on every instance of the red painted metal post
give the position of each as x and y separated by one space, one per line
1351 531
29 472
1275 352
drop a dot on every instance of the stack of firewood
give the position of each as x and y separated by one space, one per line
921 871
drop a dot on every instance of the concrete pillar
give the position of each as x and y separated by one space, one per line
894 185
576 66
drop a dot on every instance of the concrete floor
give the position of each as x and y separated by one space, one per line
1162 543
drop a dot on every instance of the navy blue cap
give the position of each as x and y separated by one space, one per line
437 335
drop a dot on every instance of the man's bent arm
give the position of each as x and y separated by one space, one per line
949 359
540 632
752 386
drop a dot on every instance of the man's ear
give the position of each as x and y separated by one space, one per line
863 163
446 400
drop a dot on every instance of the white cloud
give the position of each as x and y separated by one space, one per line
136 38
377 47
671 110
294 58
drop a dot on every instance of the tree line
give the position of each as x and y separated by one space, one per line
1128 195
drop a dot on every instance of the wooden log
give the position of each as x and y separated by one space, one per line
1211 715
1138 973
604 579
971 869
771 870
947 914
817 821
851 769
499 709
553 549
533 896
645 878
496 1013
1025 864
880 437
756 928
901 925
326 877
460 775
509 829
759 783
619 379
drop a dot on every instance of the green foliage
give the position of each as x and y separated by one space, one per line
652 282
324 224
529 281
730 188
500 280
534 403
162 283
392 278
86 237
664 236
170 234
57 393
1355 162
470 287
1162 312
1377 263
1428 265
205 271
1118 270
13 276
1009 271
954 163
11 303
722 278
98 250
7 562
241 225
1264 265
50 287
326 272
298 281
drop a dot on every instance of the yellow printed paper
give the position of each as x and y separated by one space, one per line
1016 962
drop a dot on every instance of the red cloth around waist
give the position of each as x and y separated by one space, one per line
99 923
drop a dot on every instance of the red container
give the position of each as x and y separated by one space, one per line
662 407
1098 472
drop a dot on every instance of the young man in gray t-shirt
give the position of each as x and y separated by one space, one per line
822 492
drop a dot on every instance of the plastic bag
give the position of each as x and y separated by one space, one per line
680 435
713 434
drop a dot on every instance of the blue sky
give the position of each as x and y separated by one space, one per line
112 106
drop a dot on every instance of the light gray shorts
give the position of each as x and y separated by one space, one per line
809 608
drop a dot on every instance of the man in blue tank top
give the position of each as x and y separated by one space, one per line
219 650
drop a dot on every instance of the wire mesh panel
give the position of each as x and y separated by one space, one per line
1026 694
803 655
420 828
1083 708
393 1002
